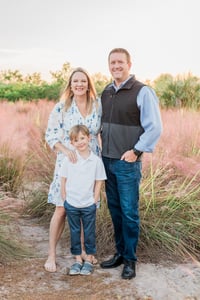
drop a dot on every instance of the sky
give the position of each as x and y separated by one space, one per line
41 35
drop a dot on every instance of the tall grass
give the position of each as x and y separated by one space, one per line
11 169
11 179
170 192
10 247
37 205
17 122
170 212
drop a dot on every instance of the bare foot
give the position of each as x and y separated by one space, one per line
94 261
50 265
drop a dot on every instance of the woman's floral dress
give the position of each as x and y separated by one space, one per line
59 124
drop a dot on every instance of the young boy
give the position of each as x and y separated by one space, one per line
80 188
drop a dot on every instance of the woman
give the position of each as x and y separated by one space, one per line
79 105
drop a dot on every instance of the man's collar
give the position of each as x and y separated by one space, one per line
121 84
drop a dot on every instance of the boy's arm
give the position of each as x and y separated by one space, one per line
63 187
97 189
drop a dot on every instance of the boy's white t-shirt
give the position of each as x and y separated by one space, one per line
81 178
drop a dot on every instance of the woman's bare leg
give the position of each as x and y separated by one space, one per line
55 231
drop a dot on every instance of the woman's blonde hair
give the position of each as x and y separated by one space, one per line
67 94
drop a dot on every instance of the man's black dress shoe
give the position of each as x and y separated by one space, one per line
114 262
128 270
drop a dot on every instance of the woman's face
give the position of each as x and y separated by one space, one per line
79 84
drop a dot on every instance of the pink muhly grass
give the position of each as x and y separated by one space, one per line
18 119
41 157
179 145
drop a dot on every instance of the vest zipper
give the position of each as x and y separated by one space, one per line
111 111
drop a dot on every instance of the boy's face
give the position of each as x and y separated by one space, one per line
81 142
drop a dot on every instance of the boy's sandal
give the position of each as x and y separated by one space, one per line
87 268
75 268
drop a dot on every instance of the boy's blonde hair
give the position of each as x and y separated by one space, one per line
75 130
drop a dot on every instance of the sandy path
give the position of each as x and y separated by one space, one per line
28 280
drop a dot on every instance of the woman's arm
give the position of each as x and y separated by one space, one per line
54 132
63 188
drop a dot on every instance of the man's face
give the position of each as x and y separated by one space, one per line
119 67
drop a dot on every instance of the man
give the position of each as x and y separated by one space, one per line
131 125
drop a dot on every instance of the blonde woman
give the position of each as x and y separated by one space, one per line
78 105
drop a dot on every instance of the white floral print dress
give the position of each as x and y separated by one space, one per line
58 127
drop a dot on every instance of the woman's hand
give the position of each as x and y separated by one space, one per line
71 155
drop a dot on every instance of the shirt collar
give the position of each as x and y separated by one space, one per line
80 158
121 85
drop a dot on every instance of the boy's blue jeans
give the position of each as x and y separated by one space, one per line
122 190
87 216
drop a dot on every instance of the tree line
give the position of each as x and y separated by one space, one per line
179 91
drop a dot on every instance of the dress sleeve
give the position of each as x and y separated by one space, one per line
63 172
99 113
54 131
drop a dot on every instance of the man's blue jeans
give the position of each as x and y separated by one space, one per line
122 190
86 215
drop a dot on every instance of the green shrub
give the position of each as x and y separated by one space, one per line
181 91
27 91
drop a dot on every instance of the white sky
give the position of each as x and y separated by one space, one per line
40 35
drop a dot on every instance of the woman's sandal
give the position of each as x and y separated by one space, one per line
76 268
87 268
